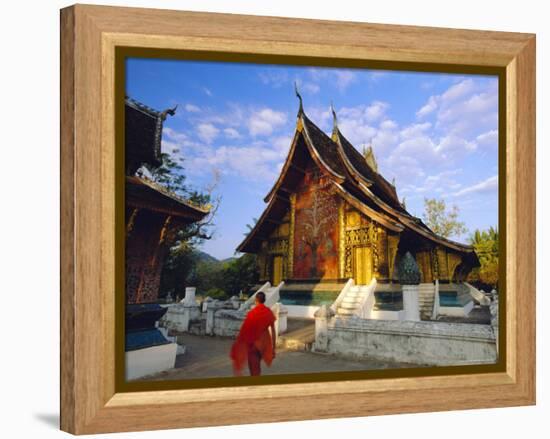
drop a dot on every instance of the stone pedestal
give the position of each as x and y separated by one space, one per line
180 316
210 310
322 317
493 307
189 299
281 314
206 302
235 302
410 303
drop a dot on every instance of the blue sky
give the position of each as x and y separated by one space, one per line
436 134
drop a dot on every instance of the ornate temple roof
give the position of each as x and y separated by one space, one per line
358 163
357 181
145 194
143 136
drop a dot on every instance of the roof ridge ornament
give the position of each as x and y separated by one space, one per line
170 111
334 121
368 154
299 96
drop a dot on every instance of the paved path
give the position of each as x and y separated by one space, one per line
208 357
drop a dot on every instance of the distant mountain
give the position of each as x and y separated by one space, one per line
202 256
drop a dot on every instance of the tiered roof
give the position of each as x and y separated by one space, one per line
354 179
143 135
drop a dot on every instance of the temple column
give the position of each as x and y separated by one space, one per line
409 277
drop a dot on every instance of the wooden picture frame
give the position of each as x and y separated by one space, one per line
90 37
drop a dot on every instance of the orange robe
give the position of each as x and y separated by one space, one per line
254 332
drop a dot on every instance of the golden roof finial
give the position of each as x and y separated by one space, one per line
299 96
369 157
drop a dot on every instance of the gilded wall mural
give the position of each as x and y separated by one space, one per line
316 228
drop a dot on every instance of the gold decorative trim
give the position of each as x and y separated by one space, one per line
360 236
290 261
131 221
341 238
393 244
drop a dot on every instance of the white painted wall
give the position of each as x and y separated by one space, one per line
418 342
148 361
301 311
456 311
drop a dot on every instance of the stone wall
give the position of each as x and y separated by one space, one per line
423 343
219 318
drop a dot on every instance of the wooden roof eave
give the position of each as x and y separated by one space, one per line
252 234
302 129
437 239
317 157
355 174
371 213
191 210
285 168
411 224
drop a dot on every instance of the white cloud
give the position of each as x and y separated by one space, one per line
207 132
311 87
488 138
415 130
192 108
231 133
274 77
454 144
376 75
257 162
357 123
458 90
282 144
428 108
465 108
489 185
344 78
264 121
341 78
376 110
207 91
175 136
388 124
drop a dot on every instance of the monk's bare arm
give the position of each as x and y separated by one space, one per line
273 337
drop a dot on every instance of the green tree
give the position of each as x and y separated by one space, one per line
442 221
178 267
486 243
209 276
240 274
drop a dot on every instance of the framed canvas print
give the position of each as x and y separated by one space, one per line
318 219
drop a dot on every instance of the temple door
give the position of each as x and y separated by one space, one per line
362 265
277 270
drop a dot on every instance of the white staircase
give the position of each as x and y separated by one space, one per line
354 300
271 296
351 302
477 295
426 296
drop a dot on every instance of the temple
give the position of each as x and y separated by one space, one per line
153 215
331 217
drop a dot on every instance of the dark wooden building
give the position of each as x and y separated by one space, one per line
153 215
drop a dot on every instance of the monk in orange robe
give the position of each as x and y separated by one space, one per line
254 341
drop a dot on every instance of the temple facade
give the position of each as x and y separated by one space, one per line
331 216
153 215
